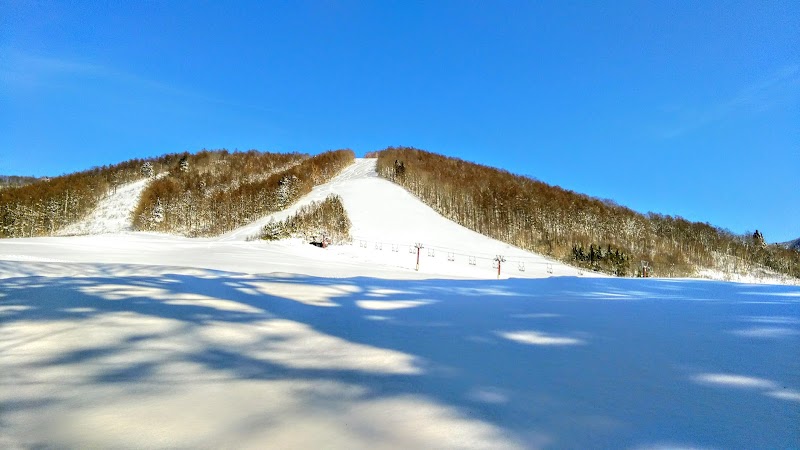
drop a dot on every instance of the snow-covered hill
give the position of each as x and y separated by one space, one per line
388 222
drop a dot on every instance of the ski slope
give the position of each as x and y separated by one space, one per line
387 222
112 214
144 340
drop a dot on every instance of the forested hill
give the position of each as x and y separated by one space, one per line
208 195
49 204
194 194
573 227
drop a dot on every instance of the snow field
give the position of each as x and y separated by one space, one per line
128 355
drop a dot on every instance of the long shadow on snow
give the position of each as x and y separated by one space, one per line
588 362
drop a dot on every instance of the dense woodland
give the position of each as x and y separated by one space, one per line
581 230
193 194
321 222
45 206
213 193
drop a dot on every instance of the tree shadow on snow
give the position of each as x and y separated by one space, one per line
586 362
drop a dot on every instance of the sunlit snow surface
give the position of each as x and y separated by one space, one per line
152 341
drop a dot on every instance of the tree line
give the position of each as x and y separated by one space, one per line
324 221
48 204
211 194
207 193
573 227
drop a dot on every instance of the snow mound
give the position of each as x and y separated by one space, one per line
112 214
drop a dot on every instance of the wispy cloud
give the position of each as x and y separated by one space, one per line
20 72
757 97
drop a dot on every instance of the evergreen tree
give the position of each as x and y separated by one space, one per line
286 191
147 169
158 212
273 230
758 240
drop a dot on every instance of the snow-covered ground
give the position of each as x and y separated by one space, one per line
118 355
138 340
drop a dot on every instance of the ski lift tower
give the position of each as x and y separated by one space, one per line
645 269
499 259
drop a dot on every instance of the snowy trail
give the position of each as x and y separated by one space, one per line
112 214
357 170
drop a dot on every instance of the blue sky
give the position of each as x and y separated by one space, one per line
683 108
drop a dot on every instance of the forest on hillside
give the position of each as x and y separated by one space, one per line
46 205
200 194
575 228
209 194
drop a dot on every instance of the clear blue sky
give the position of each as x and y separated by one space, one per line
680 107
